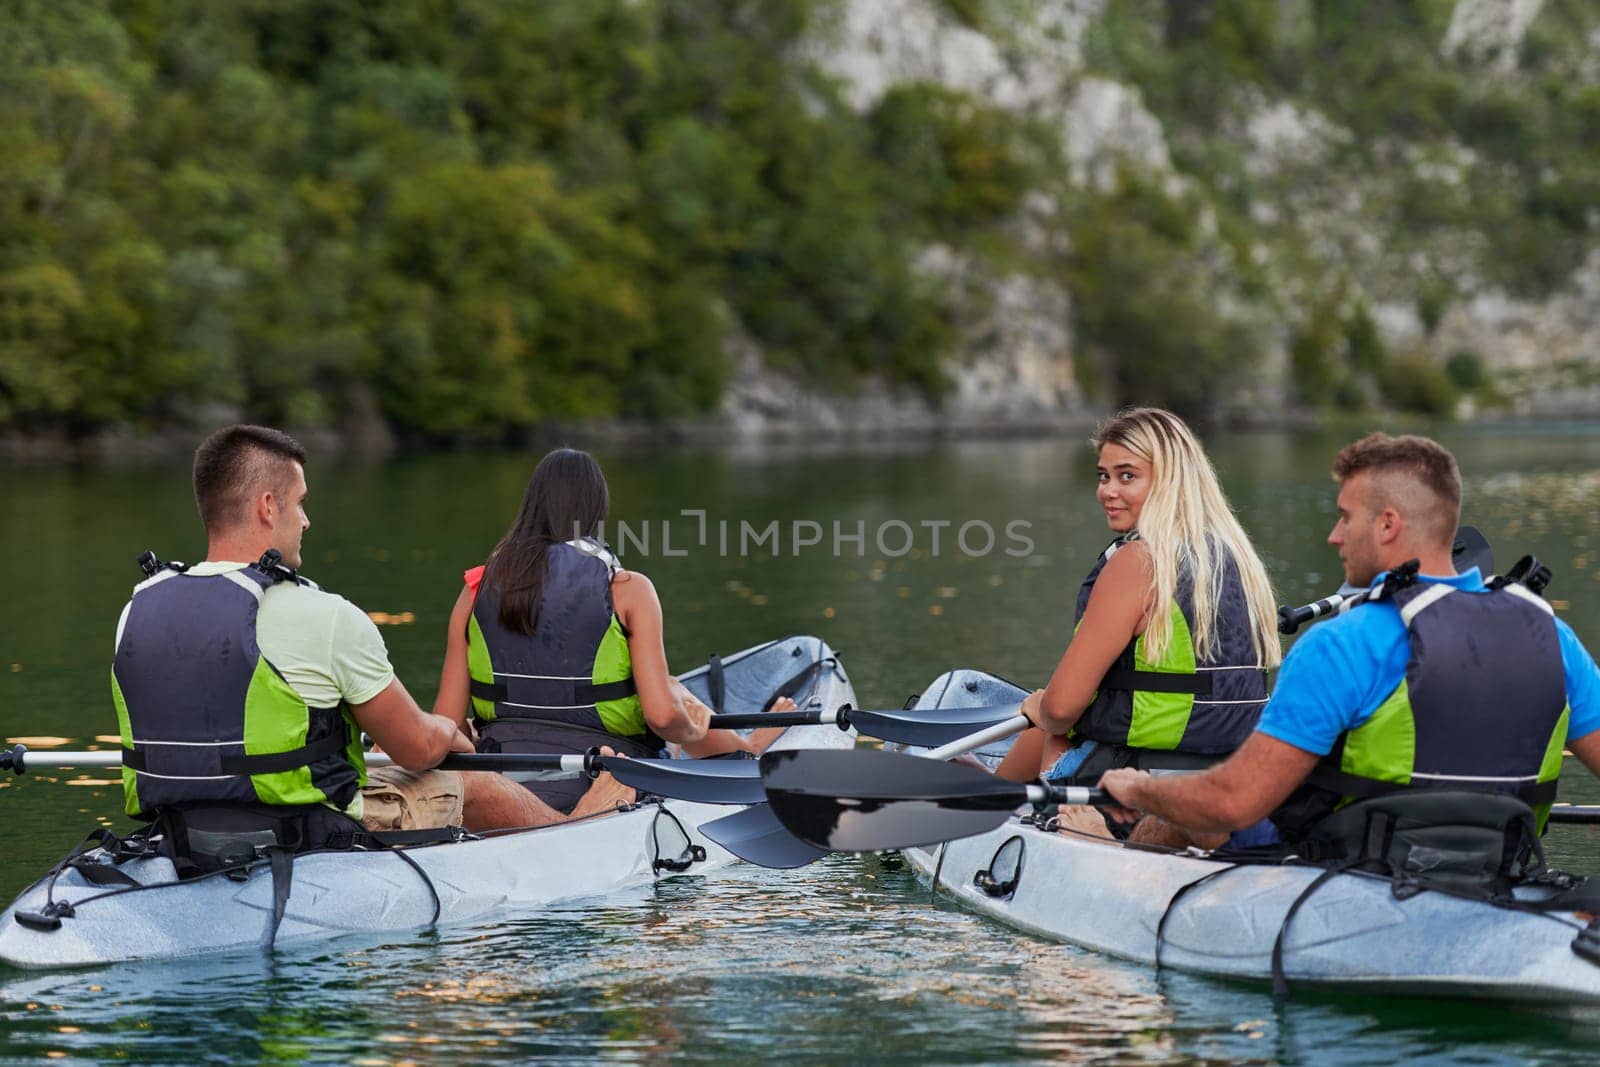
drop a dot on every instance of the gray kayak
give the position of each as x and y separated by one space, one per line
1352 932
476 880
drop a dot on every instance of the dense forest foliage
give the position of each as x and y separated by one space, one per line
489 213
477 215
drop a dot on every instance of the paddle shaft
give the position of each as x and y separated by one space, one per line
1042 796
759 719
21 760
999 731
1470 550
1580 814
909 726
756 836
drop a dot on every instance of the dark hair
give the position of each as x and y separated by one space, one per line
233 464
566 498
1423 460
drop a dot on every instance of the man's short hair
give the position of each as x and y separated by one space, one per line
1420 460
235 464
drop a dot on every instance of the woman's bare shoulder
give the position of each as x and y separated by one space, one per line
630 583
1127 573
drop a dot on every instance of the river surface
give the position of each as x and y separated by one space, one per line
844 959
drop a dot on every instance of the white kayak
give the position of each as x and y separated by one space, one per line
1353 932
334 893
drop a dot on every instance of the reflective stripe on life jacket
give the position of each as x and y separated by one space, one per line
574 671
205 718
1187 702
1482 708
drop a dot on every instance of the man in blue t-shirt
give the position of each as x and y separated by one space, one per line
1399 500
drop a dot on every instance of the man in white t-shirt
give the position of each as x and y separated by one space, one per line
289 718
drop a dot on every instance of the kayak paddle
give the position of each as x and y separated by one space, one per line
709 781
756 835
861 800
903 726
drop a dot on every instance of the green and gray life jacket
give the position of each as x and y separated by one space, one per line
1482 709
1187 702
205 718
569 685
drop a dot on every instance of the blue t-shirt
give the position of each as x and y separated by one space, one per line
1337 675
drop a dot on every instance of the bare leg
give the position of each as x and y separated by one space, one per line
605 794
1153 831
1022 762
1083 819
493 802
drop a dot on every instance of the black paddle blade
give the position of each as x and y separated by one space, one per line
930 728
710 781
756 836
862 800
1471 549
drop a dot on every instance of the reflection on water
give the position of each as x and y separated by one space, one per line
839 961
842 960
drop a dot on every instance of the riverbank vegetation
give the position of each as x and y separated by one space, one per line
484 214
466 219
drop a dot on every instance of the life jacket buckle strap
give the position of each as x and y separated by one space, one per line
278 762
494 692
152 565
1527 571
271 564
587 693
1157 681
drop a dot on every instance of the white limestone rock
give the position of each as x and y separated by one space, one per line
1490 30
1106 126
1281 136
1546 353
1032 50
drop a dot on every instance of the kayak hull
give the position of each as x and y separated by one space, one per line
1351 933
393 891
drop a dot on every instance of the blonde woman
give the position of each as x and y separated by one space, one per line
1176 622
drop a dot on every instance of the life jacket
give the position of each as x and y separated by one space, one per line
205 718
569 685
1482 709
1188 703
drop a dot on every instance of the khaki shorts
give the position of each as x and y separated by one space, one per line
397 799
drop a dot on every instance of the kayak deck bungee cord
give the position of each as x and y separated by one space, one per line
1218 916
106 907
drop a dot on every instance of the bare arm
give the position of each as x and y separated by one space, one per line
1587 749
1114 615
412 737
454 681
1238 792
665 711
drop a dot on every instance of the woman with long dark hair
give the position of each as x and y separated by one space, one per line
553 647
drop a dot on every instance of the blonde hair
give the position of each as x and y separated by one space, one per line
1185 519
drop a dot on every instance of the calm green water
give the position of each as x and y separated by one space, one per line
844 959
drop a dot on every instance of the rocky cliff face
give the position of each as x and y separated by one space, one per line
1310 211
